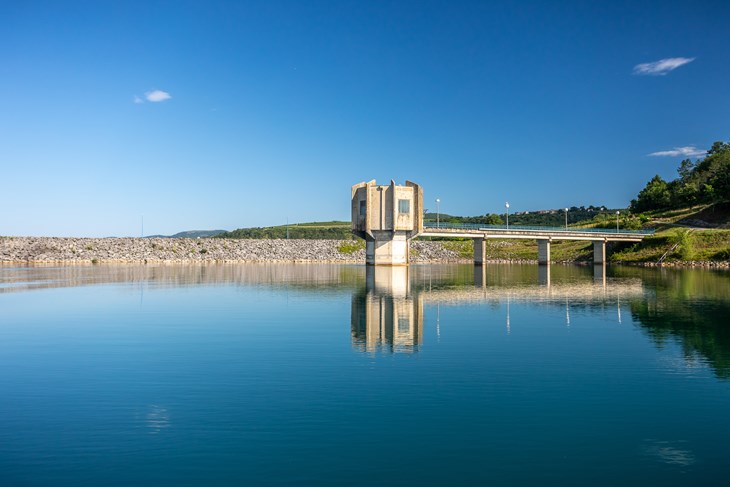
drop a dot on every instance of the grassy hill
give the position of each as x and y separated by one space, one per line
335 230
700 233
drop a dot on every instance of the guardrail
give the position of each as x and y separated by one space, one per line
517 228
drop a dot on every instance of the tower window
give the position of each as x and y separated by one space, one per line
404 206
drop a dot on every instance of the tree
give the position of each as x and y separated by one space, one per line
494 219
654 196
718 147
685 170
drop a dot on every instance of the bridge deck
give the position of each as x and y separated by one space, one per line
466 230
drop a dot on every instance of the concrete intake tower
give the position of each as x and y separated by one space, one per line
387 217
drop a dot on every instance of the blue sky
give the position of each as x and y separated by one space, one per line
202 115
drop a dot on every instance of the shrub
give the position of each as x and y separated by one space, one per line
465 248
685 243
723 254
351 246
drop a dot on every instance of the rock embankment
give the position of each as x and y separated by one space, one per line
187 250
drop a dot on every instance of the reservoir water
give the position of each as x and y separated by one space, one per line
342 375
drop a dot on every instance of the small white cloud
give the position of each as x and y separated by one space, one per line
137 99
661 67
157 95
689 151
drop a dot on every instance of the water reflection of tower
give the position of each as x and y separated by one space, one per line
386 315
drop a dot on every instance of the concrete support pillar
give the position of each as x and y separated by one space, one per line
543 251
387 248
480 251
599 252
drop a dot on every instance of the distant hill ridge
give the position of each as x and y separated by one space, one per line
190 234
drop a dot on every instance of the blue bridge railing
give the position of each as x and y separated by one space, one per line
517 228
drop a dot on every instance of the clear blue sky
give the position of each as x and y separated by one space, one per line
203 115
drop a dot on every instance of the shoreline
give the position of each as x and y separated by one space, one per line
49 251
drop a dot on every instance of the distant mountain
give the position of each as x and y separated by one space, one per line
191 234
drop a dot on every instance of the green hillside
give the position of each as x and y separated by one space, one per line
334 230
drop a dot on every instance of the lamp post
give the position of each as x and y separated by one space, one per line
438 215
566 218
506 205
617 214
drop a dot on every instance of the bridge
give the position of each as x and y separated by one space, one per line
388 217
544 236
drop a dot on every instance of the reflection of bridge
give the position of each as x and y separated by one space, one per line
387 217
388 313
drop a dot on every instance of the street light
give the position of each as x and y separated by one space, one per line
566 218
506 205
617 214
438 217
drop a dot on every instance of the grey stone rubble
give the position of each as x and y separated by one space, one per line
183 250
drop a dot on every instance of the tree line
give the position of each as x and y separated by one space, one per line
547 218
705 181
342 232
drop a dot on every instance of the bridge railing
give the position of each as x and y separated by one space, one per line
517 228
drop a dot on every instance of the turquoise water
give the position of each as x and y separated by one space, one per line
338 375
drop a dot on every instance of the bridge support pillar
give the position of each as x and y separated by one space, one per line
543 251
480 251
387 248
599 252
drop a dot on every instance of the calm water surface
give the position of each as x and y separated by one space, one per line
338 375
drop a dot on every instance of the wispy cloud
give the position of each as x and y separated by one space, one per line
157 95
689 151
137 99
661 67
